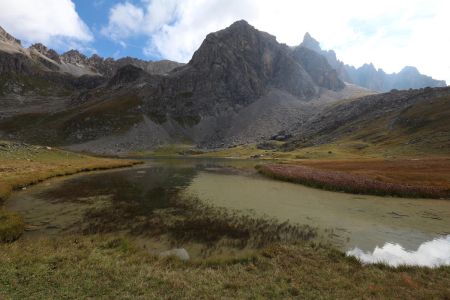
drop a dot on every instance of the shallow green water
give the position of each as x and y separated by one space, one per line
355 221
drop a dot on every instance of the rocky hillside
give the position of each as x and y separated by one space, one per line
38 79
371 78
414 119
240 86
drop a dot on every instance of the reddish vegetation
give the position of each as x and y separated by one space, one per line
348 182
422 172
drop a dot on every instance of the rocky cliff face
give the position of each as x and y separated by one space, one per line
239 64
369 77
318 68
310 43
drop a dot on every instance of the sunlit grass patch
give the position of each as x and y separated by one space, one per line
22 165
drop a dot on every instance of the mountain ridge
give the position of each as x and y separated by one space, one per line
239 75
240 87
77 64
368 76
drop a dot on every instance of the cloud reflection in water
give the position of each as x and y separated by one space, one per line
433 253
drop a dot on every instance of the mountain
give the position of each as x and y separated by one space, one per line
371 78
45 64
240 86
39 79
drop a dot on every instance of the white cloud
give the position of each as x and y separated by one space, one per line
52 22
391 34
125 20
429 254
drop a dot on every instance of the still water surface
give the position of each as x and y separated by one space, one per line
357 223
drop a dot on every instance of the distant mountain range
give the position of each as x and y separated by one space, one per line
39 58
241 86
369 77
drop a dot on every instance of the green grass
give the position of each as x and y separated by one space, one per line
11 226
105 267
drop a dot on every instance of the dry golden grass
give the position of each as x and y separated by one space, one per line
111 267
22 165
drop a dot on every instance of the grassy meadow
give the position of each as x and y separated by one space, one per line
111 266
106 258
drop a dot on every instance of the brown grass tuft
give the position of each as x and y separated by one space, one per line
11 226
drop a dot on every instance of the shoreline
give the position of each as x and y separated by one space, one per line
24 165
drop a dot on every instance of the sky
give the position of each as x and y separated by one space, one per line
390 34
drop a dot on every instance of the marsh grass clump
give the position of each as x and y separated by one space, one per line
5 191
185 219
11 226
209 225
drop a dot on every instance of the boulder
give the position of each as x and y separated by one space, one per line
180 253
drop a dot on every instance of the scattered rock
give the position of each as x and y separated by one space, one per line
181 253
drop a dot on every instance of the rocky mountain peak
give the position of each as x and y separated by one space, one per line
369 76
241 24
239 41
39 47
369 67
311 43
96 58
410 70
50 53
244 63
73 57
6 37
